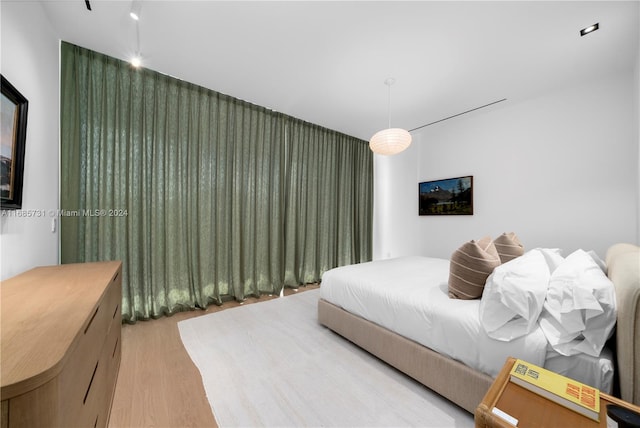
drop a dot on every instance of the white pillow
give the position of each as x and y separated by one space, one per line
514 295
580 310
553 257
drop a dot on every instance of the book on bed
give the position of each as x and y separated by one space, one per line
567 392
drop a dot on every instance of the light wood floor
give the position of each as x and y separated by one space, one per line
158 385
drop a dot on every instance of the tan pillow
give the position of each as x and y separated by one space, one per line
469 268
508 246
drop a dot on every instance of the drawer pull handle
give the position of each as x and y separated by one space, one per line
91 320
115 312
96 423
90 382
115 277
114 348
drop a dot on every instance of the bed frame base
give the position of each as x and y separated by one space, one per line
449 378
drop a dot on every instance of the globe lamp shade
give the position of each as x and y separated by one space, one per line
390 141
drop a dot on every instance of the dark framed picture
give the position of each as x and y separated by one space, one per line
13 135
452 196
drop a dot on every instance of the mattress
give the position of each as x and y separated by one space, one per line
409 296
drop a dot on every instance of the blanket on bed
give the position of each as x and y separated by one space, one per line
409 296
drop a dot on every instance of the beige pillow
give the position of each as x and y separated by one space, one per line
508 246
469 268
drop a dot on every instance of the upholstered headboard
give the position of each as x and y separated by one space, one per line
623 265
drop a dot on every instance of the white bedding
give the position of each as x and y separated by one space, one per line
595 371
409 296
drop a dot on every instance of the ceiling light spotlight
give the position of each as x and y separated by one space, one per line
136 61
390 141
589 29
136 5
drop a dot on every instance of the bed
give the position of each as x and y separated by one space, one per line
449 352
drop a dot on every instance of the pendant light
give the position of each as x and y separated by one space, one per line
390 141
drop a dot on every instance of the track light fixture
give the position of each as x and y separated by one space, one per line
136 5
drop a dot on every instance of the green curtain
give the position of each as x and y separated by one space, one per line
201 195
329 202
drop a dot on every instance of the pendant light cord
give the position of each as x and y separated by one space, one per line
389 105
390 81
137 38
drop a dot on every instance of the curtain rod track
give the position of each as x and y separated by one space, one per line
456 115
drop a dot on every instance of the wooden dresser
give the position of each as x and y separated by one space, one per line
60 350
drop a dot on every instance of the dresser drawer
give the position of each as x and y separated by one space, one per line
33 407
83 363
111 302
97 401
112 354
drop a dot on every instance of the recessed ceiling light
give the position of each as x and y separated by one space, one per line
589 29
136 61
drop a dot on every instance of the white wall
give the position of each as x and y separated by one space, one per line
636 112
29 60
560 170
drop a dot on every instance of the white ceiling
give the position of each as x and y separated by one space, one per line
326 61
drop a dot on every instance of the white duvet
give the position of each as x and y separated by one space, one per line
409 296
515 293
580 309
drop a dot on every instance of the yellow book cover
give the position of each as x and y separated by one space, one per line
570 393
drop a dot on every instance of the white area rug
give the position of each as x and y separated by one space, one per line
271 364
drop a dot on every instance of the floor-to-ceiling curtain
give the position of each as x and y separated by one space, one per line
329 202
197 192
